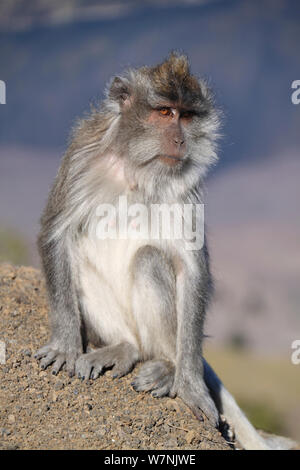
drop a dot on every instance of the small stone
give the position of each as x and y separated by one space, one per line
11 419
54 396
172 443
128 421
100 432
59 385
190 436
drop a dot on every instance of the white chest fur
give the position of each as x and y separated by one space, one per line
105 282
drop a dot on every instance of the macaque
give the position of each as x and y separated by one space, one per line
136 300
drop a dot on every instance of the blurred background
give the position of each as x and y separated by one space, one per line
56 57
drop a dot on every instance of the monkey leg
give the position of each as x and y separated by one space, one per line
121 357
65 344
156 376
153 301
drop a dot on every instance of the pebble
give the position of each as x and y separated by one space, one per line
11 419
190 436
54 396
100 432
59 385
172 443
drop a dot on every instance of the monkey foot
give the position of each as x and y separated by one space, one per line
196 396
155 376
121 358
51 354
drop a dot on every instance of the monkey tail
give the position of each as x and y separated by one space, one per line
245 433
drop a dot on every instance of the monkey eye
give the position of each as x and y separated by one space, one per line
165 111
187 114
124 96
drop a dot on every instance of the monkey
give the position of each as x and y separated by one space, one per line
152 140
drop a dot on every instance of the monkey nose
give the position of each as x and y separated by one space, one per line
179 141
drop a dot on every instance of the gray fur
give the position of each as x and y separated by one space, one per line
121 358
156 376
136 301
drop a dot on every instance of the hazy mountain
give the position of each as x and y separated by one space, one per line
59 61
252 213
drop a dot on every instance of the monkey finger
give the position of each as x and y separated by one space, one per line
70 366
59 361
122 369
197 412
47 360
146 382
143 385
97 370
42 352
83 368
172 394
161 391
71 372
162 386
210 412
202 406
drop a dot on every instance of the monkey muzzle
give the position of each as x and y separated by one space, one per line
171 160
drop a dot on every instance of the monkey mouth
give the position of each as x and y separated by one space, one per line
170 160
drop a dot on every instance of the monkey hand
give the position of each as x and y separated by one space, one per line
58 354
195 395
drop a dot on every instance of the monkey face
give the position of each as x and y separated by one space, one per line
167 122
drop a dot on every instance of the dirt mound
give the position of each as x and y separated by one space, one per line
42 411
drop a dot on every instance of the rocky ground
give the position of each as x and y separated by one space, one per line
42 411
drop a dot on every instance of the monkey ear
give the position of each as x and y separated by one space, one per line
119 91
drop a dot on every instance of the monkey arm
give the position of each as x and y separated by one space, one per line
65 344
193 288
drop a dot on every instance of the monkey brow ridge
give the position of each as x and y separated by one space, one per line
172 80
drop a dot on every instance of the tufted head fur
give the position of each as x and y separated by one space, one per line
127 143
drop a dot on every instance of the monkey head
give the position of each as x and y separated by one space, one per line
167 123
